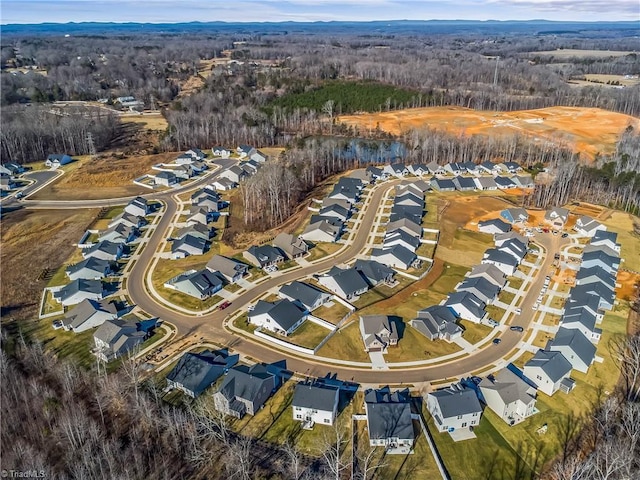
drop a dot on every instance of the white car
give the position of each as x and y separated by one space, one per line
535 306
518 311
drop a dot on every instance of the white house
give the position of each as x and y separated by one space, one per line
281 317
509 396
547 370
315 403
454 407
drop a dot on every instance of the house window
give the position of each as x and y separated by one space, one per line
464 424
459 417
298 416
326 420
538 377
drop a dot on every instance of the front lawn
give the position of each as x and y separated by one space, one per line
346 344
474 332
307 335
415 346
332 314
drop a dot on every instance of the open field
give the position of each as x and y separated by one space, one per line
622 223
346 344
587 130
607 81
107 177
22 263
150 121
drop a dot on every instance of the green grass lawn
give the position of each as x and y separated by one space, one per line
332 314
345 344
242 322
522 359
415 346
622 224
51 304
64 344
506 297
474 332
307 335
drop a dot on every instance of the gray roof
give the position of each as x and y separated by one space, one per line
325 226
552 363
509 386
504 181
576 341
105 246
94 264
469 301
464 182
283 312
606 277
579 314
512 235
198 283
596 289
442 184
245 382
197 371
608 260
111 330
292 245
87 308
373 271
374 324
265 254
407 238
601 235
334 210
496 222
515 213
349 280
488 271
389 414
411 212
480 285
79 285
457 400
486 182
307 294
500 256
196 230
189 244
227 266
316 396
407 225
403 254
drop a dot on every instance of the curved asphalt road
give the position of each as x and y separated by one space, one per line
211 325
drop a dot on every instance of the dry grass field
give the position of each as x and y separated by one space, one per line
107 177
587 130
153 121
608 81
33 240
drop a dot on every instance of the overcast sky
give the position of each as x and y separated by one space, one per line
159 11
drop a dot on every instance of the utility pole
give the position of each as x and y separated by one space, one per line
495 75
91 145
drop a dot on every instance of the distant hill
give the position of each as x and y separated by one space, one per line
373 29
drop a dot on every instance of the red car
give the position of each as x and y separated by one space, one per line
224 305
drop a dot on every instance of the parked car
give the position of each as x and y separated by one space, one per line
518 311
224 305
492 322
516 328
565 235
57 324
496 341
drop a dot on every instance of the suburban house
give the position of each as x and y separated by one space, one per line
89 269
485 183
389 421
405 225
232 270
504 183
581 318
524 181
200 214
436 169
127 219
509 396
515 215
606 239
328 201
56 160
418 169
409 198
455 168
221 152
263 255
199 284
315 403
306 295
104 251
556 217
196 153
400 237
586 276
482 288
581 299
322 231
197 230
207 198
506 262
184 172
515 248
375 272
488 167
117 337
245 150
598 258
79 290
223 184
443 184
399 212
489 272
548 370
234 174
244 390
396 256
195 372
606 297
258 156
437 322
89 314
346 283
493 226
119 233
500 238
292 245
454 407
6 182
345 191
282 316
587 226
188 245
165 178
138 207
12 169
576 348
378 332
335 211
464 184
512 167
466 306
396 170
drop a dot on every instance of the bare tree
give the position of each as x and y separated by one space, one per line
334 441
239 459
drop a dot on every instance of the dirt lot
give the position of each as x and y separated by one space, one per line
33 240
110 176
588 130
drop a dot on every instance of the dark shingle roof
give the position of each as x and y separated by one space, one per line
457 400
319 397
